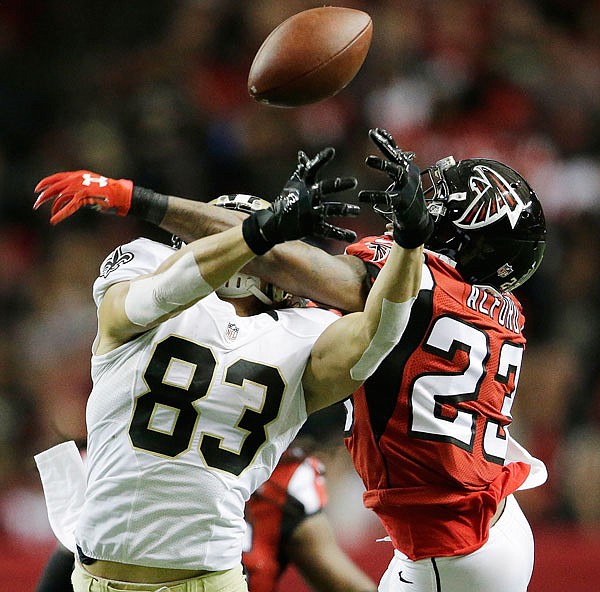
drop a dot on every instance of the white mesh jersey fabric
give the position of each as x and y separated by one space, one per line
185 422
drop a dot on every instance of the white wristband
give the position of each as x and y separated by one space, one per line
392 323
153 297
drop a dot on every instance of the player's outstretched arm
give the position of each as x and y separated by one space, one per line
351 349
135 306
296 267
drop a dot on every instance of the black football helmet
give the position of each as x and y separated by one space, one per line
487 219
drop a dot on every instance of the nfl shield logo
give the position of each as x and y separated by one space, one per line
505 270
232 331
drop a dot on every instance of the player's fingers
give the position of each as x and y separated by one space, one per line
46 181
385 142
336 185
317 163
393 169
338 208
322 158
67 204
327 230
63 183
303 161
63 214
60 216
373 197
65 208
42 198
61 201
51 192
387 136
57 177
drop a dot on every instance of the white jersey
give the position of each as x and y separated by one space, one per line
185 422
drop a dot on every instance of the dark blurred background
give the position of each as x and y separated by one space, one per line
155 91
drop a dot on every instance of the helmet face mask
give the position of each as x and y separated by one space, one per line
487 219
242 285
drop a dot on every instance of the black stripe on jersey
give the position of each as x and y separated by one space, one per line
273 314
436 571
382 388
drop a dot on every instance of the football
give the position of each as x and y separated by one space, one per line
310 56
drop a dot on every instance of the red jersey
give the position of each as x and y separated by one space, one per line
429 436
295 490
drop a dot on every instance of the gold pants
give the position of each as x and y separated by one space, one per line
230 580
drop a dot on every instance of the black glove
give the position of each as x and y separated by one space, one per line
299 210
413 224
307 171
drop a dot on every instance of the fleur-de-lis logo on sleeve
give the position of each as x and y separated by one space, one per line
117 258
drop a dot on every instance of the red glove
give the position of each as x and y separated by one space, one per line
76 189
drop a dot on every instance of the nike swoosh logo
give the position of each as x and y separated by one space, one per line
402 579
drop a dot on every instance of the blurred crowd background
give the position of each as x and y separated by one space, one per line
155 91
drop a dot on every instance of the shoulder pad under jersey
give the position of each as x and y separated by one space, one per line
372 249
128 261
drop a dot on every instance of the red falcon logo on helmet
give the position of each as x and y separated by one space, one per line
494 199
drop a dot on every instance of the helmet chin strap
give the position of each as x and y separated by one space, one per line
260 295
242 285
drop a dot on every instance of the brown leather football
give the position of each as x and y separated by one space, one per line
310 56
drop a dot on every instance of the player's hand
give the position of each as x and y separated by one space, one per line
76 189
413 224
301 209
308 168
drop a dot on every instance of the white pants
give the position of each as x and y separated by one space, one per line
503 564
